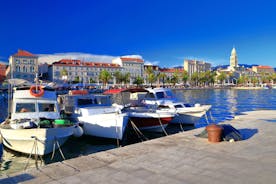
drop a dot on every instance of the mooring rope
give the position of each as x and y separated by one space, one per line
36 153
159 119
54 146
137 131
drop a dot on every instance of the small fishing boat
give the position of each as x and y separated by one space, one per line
149 119
95 113
143 117
34 125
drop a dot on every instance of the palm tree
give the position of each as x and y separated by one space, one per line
151 78
185 76
138 81
162 76
221 78
195 78
126 78
76 80
254 80
273 77
105 76
175 77
150 75
118 77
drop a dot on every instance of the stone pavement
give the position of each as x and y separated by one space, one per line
179 158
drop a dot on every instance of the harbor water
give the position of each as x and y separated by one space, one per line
226 103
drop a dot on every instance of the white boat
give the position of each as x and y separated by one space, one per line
35 125
96 113
164 99
143 117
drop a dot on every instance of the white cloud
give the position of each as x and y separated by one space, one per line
133 56
50 58
152 62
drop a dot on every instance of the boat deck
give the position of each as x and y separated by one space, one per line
179 158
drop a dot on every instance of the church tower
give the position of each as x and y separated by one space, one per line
233 58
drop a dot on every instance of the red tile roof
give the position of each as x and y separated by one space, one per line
264 67
171 69
23 53
126 59
74 62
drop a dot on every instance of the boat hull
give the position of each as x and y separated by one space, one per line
150 121
109 125
23 140
190 115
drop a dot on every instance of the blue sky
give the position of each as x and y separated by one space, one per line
163 32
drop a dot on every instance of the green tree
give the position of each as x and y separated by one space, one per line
151 78
175 77
195 78
126 78
184 76
162 76
138 81
149 75
222 76
254 80
119 77
105 76
91 80
273 77
76 80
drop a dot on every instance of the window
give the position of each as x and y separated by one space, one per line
46 107
25 107
150 95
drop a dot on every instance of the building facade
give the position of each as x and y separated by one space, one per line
23 65
134 66
263 69
192 66
87 72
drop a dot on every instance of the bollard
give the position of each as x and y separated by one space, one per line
214 133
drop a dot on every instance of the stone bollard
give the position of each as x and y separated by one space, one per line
214 133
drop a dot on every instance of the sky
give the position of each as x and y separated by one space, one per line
163 32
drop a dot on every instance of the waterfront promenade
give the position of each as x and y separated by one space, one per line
179 158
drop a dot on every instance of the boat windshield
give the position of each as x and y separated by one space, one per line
25 107
46 107
163 94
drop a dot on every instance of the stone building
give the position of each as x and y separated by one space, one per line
68 70
134 66
192 66
23 65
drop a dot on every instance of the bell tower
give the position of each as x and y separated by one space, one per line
233 58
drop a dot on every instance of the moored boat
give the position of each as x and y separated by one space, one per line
96 113
164 99
35 125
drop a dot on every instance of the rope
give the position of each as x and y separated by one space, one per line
159 119
36 153
206 118
54 146
137 131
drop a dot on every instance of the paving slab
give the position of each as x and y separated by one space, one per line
178 158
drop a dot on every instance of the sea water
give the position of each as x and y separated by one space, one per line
226 103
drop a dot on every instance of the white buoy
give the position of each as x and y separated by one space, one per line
78 131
